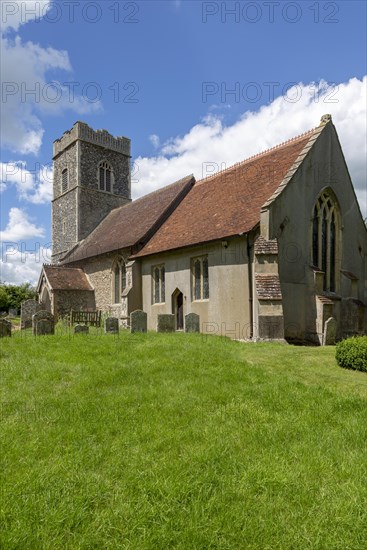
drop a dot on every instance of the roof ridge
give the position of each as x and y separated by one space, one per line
63 266
257 155
153 192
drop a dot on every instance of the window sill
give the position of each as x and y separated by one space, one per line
201 300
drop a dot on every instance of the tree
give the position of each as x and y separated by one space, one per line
11 296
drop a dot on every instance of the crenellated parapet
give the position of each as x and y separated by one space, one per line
83 132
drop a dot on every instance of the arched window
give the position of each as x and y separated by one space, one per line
200 284
325 228
119 282
64 181
105 177
159 284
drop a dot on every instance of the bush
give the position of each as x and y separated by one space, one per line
352 353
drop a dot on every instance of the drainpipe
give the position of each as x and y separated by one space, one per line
250 286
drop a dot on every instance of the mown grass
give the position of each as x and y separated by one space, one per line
179 441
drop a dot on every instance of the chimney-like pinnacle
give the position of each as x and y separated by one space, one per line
325 119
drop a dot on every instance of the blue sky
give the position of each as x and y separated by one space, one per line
189 82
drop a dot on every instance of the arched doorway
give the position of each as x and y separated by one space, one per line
177 308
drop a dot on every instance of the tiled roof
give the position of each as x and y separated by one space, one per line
229 202
67 278
132 223
268 287
262 246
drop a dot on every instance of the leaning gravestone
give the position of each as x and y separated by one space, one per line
43 323
329 332
138 321
192 322
81 329
111 325
28 309
13 313
166 322
5 328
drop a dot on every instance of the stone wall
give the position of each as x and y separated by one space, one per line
288 217
91 155
227 311
64 216
66 300
100 272
93 206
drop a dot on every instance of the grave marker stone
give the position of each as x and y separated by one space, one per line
138 321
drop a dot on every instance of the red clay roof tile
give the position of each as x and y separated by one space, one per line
67 278
132 223
229 202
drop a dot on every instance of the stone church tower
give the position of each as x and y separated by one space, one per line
91 177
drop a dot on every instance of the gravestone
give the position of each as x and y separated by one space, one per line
111 325
27 310
13 313
329 332
43 323
166 322
81 329
138 321
192 322
5 328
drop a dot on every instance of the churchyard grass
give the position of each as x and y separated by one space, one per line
179 441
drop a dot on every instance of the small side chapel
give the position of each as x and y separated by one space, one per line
271 248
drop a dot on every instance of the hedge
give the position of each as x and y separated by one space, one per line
352 353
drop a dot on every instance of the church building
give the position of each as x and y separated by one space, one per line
270 248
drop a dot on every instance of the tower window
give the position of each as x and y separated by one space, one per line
119 282
325 226
105 177
64 180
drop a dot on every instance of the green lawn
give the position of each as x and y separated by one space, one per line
179 441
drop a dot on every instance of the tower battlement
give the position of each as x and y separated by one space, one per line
81 131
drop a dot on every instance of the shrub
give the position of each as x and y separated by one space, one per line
352 353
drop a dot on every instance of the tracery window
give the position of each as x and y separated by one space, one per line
200 278
325 227
105 177
159 284
119 281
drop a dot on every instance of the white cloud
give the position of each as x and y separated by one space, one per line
18 266
21 256
34 187
19 12
212 144
154 139
20 227
26 91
